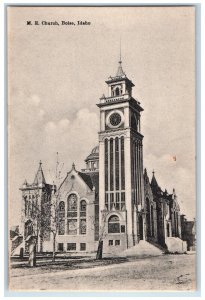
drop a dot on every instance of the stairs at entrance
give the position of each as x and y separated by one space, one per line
142 249
16 251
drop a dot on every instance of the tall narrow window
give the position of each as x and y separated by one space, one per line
72 214
83 208
111 164
82 226
29 208
106 165
117 163
122 164
106 200
117 205
117 91
72 206
26 205
32 207
111 200
122 200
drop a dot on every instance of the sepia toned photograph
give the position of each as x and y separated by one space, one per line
101 148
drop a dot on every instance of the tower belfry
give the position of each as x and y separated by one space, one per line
121 158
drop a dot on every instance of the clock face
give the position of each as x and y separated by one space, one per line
115 119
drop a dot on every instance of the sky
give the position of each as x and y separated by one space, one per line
56 75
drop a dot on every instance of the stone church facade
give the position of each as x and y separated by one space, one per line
112 199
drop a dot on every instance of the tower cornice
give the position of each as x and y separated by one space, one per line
119 79
118 100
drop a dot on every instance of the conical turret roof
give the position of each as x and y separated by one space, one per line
154 181
39 178
120 72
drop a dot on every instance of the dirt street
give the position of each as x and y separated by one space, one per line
167 272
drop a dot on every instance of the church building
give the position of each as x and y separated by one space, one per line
112 199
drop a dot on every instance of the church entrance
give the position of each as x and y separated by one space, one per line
140 227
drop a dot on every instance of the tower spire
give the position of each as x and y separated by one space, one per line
120 61
120 72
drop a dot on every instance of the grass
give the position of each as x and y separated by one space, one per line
44 265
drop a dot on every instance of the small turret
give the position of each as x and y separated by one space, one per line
24 185
39 179
154 183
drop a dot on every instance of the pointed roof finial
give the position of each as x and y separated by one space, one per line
153 172
73 166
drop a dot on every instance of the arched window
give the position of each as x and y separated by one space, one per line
72 202
83 205
117 91
72 206
114 224
61 206
72 214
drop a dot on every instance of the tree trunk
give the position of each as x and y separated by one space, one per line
54 246
21 252
100 250
32 254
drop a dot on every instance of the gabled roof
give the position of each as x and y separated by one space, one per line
94 176
87 179
91 179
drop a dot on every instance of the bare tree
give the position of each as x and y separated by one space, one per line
43 213
53 221
102 232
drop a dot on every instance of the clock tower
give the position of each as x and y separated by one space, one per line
121 187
